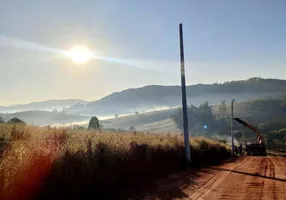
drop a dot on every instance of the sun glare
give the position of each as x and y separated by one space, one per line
80 54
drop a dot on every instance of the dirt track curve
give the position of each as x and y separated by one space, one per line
246 178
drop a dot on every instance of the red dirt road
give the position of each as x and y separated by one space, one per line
246 178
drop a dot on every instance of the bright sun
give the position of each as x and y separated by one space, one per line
80 54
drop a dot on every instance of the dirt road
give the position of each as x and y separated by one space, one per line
245 178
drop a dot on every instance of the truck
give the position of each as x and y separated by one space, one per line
257 148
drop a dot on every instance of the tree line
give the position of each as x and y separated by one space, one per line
202 120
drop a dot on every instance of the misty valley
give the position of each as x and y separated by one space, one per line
156 109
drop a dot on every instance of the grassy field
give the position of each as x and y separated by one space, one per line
49 163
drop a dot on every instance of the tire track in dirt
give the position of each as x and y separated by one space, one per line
253 179
276 188
213 184
232 186
252 186
247 178
271 184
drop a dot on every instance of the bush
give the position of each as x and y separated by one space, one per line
16 121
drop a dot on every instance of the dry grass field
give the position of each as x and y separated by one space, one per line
58 163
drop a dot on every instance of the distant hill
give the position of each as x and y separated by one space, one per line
44 105
154 96
41 118
257 112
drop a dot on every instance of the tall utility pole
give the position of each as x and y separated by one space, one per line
184 99
243 138
231 128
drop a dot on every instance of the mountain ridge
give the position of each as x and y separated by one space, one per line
214 86
43 105
153 96
160 95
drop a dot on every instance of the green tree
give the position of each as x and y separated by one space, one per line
2 120
77 127
201 120
132 128
222 110
283 98
94 123
16 121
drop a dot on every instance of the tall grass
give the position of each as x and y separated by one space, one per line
50 163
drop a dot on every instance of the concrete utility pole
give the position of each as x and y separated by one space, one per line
231 125
184 99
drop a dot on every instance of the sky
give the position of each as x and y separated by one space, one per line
224 40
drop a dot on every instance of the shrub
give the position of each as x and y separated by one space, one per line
16 121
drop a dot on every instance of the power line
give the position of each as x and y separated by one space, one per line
243 113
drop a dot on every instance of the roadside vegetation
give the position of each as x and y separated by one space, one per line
50 163
268 115
203 120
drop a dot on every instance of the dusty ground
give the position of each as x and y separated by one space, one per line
245 178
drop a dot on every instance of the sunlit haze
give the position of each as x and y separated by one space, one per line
114 45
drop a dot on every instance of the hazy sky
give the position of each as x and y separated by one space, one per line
224 40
